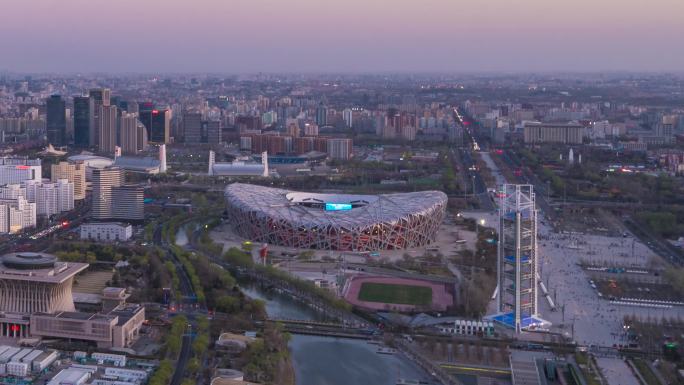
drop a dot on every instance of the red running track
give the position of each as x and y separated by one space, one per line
441 298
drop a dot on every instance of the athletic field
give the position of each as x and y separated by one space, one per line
396 294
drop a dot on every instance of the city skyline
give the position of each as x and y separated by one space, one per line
351 36
341 192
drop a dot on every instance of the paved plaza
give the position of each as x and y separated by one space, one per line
616 371
596 320
589 319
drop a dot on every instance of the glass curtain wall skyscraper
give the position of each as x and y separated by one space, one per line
84 114
56 120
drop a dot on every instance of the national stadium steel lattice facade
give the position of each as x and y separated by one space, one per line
334 221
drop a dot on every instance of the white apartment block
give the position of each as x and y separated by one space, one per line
51 198
340 148
12 191
74 172
16 214
106 231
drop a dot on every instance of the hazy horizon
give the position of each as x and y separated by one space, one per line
353 36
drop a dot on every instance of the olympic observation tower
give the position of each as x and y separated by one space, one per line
517 271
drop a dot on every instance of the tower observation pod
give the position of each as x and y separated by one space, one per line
517 259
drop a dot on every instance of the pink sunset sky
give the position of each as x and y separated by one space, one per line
341 36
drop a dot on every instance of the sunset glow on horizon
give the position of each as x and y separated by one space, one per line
341 36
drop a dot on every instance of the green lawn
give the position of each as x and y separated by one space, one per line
396 294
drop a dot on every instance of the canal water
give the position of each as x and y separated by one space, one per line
182 234
327 360
334 361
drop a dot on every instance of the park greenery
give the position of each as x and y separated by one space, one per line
479 276
449 180
163 374
241 259
267 359
675 277
171 349
658 197
93 253
146 273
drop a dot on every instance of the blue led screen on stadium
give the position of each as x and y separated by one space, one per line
337 206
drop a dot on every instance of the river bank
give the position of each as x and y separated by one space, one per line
333 361
315 360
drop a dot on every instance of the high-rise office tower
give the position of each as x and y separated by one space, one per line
310 129
108 119
56 120
293 130
142 141
321 115
347 115
104 179
129 203
128 135
115 101
211 131
133 136
157 122
132 107
192 127
101 97
84 124
72 172
340 148
517 258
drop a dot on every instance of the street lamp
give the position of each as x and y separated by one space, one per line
481 222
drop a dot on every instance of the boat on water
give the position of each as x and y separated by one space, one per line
403 381
385 350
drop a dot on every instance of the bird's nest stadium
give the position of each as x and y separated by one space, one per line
334 221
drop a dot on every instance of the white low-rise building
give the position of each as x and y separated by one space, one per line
71 376
44 360
7 355
17 369
109 358
106 231
102 381
129 375
20 355
469 328
29 358
36 360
